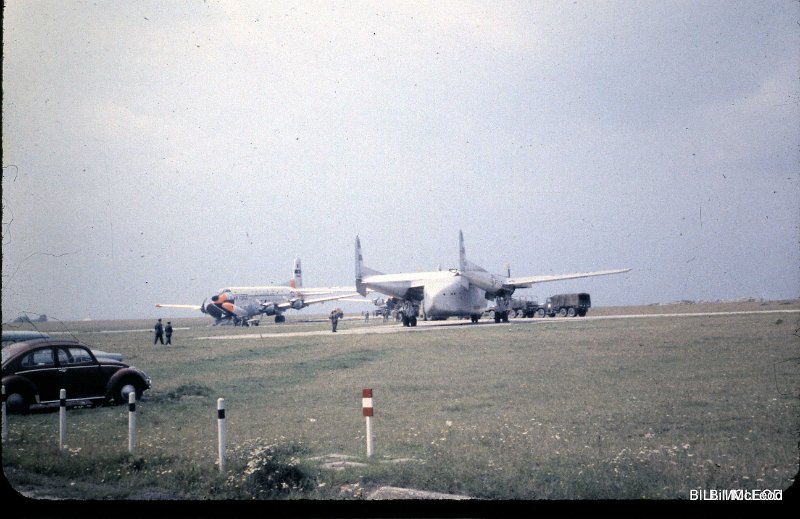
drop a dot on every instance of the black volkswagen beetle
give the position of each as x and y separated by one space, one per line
35 372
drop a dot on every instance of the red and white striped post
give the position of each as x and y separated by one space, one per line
366 405
62 419
221 432
132 422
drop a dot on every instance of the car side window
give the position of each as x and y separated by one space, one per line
73 356
38 359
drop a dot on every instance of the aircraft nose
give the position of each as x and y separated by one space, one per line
213 310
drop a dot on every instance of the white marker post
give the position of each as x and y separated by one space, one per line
132 421
5 426
366 405
221 432
62 415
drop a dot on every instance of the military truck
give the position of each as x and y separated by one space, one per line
567 305
525 307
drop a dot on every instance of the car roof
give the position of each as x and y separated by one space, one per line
17 348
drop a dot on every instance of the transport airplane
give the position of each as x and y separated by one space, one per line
242 306
461 292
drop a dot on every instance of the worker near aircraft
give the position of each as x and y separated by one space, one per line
334 317
159 329
168 332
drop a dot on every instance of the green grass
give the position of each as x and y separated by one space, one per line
588 409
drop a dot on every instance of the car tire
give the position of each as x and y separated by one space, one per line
125 387
18 403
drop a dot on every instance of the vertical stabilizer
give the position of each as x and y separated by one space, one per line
465 265
361 270
462 255
360 288
297 275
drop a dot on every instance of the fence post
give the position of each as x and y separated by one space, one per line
366 405
221 432
62 415
5 426
132 422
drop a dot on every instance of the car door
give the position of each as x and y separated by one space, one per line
39 367
79 373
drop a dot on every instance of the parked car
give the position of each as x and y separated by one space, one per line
34 372
10 337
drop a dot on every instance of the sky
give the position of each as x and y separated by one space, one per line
155 152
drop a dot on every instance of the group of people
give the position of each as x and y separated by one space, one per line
161 331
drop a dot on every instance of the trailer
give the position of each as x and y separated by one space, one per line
568 305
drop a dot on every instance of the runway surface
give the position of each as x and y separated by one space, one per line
423 326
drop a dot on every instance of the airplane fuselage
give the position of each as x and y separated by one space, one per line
442 294
453 298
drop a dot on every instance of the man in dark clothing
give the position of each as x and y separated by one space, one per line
159 333
334 317
168 332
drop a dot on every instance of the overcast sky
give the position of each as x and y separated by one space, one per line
154 152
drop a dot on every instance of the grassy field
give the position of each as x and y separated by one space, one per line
646 408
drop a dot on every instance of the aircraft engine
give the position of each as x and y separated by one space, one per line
297 304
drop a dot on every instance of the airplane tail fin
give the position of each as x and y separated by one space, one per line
297 275
362 270
464 264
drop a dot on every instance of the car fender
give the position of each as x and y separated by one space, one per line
18 384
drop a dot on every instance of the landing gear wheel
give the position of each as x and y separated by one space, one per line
412 321
280 319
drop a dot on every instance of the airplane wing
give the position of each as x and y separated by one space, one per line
529 281
373 301
325 290
188 307
291 304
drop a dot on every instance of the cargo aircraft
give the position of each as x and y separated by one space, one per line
461 292
242 306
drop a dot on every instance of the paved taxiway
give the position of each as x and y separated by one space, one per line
423 326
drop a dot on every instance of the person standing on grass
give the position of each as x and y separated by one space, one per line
334 317
168 332
159 329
